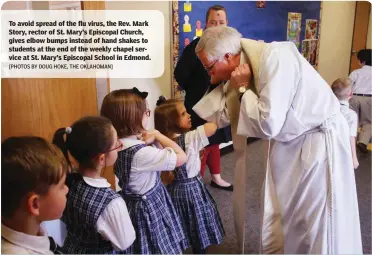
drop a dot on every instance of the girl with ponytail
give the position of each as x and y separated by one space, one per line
96 217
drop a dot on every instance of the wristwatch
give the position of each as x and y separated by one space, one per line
242 89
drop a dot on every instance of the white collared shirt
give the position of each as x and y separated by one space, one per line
350 116
195 140
146 164
14 242
114 223
362 80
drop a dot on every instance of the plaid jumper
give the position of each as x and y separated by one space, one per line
84 206
196 207
157 225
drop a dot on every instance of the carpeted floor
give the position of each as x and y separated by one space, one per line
255 175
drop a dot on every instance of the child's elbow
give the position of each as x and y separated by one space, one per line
210 129
129 242
181 159
126 241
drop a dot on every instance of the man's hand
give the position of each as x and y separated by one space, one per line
241 76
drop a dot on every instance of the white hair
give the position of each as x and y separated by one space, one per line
217 41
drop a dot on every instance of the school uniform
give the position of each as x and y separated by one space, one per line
157 225
96 218
193 202
14 242
361 101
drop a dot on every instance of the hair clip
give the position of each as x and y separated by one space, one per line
139 93
68 130
161 100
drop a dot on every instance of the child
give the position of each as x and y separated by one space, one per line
33 189
155 220
194 204
361 101
96 217
342 89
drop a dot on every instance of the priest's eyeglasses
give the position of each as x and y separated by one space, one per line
208 69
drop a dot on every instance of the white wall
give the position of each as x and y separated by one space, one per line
159 86
337 23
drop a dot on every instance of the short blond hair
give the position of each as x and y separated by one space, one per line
342 88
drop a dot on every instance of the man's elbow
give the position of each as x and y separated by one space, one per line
261 130
210 129
270 130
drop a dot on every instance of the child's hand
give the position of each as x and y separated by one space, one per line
355 163
149 137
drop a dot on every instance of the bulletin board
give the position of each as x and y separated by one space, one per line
268 21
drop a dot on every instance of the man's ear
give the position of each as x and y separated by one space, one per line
33 204
227 56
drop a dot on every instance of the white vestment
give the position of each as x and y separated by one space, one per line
309 201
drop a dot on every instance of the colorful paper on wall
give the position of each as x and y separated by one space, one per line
186 25
260 4
187 7
309 50
311 28
199 30
187 41
294 28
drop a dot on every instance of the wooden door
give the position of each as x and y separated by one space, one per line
40 106
362 9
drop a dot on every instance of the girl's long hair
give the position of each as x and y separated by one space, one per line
167 123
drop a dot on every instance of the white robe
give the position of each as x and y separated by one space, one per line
307 207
